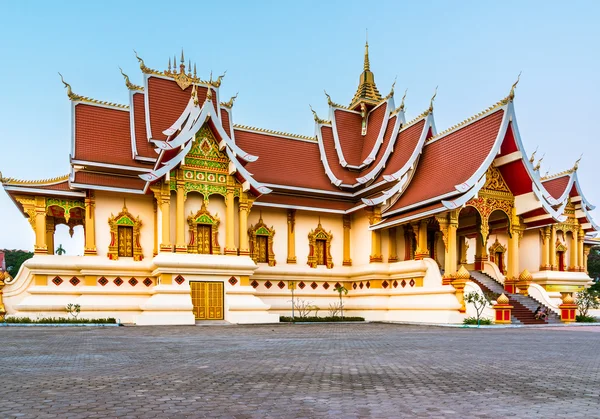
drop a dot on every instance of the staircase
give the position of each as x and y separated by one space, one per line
523 306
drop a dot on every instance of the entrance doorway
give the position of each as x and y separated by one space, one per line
204 239
207 299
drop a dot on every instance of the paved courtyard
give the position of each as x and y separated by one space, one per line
345 371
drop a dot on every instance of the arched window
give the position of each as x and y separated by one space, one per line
204 233
319 253
125 236
261 243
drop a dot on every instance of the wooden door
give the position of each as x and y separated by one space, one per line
125 237
207 299
500 261
321 252
205 239
263 248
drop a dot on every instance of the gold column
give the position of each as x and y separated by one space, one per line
464 246
513 247
347 222
452 253
90 226
545 233
243 214
552 249
291 236
375 217
586 253
230 221
422 250
180 244
40 226
165 210
573 264
392 235
50 229
155 207
581 256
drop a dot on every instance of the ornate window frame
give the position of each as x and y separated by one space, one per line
124 218
319 234
203 216
261 229
497 247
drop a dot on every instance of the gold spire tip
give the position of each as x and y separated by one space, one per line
432 99
511 95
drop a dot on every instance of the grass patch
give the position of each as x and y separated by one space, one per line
585 319
58 320
288 319
473 320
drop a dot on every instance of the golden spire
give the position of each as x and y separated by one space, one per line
367 90
432 99
70 93
511 95
195 76
229 103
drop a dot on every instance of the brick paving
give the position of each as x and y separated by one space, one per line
345 371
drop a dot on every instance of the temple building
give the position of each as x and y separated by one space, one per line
189 216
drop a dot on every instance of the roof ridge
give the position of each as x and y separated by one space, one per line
472 118
86 99
14 181
557 175
269 131
415 119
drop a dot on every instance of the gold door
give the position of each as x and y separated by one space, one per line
125 241
321 252
263 252
204 239
207 299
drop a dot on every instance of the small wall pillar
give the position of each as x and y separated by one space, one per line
502 310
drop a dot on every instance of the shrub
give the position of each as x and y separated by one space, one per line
58 320
474 320
585 319
288 319
587 299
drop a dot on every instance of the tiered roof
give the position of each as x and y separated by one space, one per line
362 155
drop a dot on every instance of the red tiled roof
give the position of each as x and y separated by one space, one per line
556 187
348 127
113 181
347 177
103 135
142 145
373 128
302 201
415 213
166 102
405 145
451 160
284 161
225 121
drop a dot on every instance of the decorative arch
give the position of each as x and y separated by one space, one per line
498 249
261 243
125 236
317 250
561 251
204 218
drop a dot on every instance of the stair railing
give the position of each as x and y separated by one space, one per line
491 269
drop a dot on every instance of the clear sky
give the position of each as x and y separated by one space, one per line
280 55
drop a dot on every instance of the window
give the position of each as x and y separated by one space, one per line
321 252
204 239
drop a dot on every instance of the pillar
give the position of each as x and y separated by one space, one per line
581 256
291 236
230 248
40 226
155 207
393 239
375 217
90 226
552 249
50 229
422 250
180 244
586 253
452 251
347 222
244 208
165 210
573 263
464 246
545 233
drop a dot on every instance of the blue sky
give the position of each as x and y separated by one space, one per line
281 55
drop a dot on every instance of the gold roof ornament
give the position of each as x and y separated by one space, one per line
143 65
229 103
401 107
367 90
525 276
532 158
128 83
568 299
195 95
217 82
391 93
209 94
576 165
462 273
331 102
70 93
317 119
539 163
511 95
432 99
502 299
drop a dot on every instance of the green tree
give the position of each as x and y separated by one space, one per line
594 262
586 300
479 301
61 250
341 290
14 259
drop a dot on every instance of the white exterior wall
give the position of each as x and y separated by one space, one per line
530 251
275 218
108 203
307 221
401 243
360 239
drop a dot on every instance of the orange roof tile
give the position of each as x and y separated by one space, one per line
556 187
374 122
348 127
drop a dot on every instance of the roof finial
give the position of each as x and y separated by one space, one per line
432 99
217 83
128 83
195 94
401 108
142 65
195 76
367 65
189 67
124 204
532 158
70 93
539 163
329 101
169 68
511 95
229 103
392 89
317 119
576 165
182 57
209 94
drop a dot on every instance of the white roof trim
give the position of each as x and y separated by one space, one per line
108 188
406 219
107 165
27 189
324 161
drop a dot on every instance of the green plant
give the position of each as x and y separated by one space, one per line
585 319
73 310
61 250
14 259
479 301
58 320
477 321
341 290
587 299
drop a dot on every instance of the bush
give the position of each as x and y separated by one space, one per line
585 319
288 319
58 320
473 320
